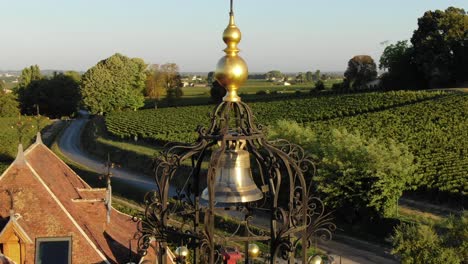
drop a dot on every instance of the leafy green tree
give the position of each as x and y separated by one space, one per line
56 96
29 74
361 178
416 243
274 74
440 46
319 85
401 73
115 83
164 79
456 234
171 80
9 106
317 75
210 78
361 70
74 75
309 76
154 85
301 77
217 92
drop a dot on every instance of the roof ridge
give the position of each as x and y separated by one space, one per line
91 189
87 200
60 160
68 214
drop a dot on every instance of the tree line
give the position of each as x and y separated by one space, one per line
434 57
113 84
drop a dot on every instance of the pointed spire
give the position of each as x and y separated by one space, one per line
20 156
38 138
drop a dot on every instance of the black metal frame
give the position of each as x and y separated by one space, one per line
299 218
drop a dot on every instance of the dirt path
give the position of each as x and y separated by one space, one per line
437 210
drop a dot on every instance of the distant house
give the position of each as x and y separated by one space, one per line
196 78
48 214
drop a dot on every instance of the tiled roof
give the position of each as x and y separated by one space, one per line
46 196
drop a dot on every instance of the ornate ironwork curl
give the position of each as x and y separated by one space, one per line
283 169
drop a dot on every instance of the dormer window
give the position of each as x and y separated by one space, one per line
53 250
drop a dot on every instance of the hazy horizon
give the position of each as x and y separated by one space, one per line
290 36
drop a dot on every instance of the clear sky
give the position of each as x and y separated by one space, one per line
291 36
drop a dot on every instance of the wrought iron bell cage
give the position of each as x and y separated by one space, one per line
292 217
265 185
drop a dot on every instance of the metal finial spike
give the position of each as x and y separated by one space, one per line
231 71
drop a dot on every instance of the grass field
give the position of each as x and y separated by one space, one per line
254 86
248 92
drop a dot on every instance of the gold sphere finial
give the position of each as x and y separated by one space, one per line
231 71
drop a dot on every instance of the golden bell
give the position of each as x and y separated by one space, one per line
233 180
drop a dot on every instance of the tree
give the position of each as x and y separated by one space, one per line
115 83
74 75
319 85
361 178
171 78
416 243
361 70
29 74
309 76
300 77
402 73
154 85
440 46
56 96
210 78
217 92
274 75
456 235
9 106
171 81
317 75
164 79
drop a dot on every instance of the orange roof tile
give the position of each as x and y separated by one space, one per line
47 194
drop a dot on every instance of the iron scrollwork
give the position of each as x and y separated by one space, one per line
294 216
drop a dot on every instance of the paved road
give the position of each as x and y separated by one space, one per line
349 252
70 146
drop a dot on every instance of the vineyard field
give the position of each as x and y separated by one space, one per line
435 131
433 125
179 124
